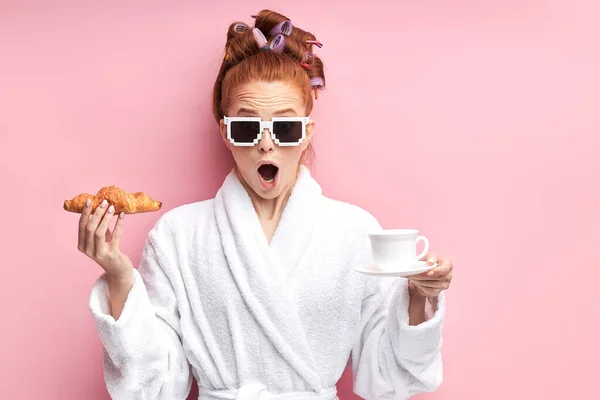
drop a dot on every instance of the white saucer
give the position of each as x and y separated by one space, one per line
417 267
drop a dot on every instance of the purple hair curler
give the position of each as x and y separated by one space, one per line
278 43
308 57
317 81
240 27
284 28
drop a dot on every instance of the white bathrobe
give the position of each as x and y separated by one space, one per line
258 320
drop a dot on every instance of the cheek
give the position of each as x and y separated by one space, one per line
240 154
242 160
291 156
292 151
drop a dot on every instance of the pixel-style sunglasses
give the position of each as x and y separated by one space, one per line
247 131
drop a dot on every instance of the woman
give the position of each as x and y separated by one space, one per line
253 291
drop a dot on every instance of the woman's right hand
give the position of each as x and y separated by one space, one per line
100 244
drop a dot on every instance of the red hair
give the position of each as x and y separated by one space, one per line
247 59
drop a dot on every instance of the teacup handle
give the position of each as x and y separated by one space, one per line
426 242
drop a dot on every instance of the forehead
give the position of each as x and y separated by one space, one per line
266 98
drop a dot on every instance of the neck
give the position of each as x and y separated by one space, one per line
268 209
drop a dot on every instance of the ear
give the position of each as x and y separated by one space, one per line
223 131
310 130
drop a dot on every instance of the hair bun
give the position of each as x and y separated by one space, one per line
317 69
272 23
298 51
245 44
304 38
236 29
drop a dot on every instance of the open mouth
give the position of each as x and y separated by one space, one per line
268 172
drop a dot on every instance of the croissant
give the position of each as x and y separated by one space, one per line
129 203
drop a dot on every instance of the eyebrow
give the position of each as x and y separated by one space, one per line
285 111
256 112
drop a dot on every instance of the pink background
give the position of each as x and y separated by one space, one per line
485 115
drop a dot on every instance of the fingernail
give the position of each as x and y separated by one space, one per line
111 209
88 202
431 260
103 204
122 215
430 273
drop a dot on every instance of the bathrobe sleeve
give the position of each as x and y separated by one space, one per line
391 359
142 350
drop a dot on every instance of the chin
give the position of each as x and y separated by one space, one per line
268 194
268 191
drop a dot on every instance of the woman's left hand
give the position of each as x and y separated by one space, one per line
432 282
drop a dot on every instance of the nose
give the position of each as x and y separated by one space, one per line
266 144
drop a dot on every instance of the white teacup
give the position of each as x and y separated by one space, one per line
396 249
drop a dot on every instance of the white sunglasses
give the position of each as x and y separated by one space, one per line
247 131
